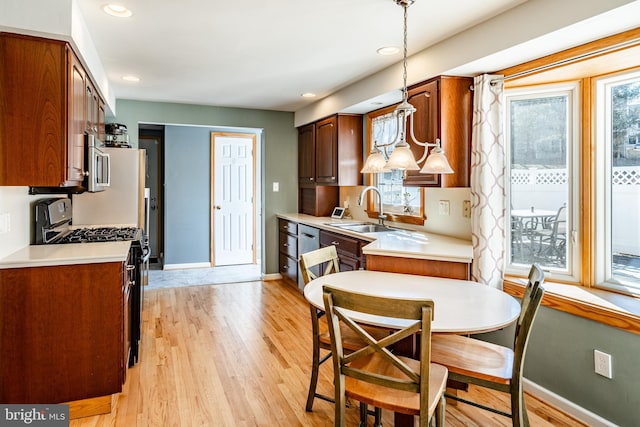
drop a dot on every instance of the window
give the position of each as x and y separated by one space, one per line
542 148
400 203
618 182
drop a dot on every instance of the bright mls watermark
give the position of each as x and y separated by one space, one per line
34 415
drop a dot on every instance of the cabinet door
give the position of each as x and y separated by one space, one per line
327 151
77 119
33 74
101 120
425 128
92 102
306 155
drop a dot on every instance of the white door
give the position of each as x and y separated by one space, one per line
233 209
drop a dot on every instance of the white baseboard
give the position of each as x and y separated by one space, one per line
186 266
566 406
271 276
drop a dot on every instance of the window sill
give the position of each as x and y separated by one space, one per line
616 310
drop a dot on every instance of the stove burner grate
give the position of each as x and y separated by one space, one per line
100 234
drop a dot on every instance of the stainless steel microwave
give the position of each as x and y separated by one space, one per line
98 165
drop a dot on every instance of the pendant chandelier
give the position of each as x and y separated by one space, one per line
401 157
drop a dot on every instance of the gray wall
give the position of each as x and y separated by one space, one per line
279 159
186 194
560 359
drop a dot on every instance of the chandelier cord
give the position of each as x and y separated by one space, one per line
405 95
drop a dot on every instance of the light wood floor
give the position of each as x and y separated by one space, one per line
239 355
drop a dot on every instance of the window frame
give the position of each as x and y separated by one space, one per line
572 89
372 207
602 172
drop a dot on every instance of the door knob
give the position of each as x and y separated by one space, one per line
218 207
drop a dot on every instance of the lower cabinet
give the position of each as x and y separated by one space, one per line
288 250
349 250
62 332
420 267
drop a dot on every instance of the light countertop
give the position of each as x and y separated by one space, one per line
77 253
399 243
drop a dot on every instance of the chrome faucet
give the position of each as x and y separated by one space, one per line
381 216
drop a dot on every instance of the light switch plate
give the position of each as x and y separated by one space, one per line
443 207
276 187
5 222
466 209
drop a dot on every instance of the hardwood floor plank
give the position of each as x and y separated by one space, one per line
240 355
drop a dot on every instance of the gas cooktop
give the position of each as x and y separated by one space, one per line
101 234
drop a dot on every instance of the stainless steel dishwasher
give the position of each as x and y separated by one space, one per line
308 240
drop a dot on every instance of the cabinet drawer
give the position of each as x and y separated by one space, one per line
288 245
344 244
288 267
288 226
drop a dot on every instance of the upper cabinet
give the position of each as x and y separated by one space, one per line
330 151
47 105
444 107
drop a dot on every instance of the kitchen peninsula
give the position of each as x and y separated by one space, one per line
394 249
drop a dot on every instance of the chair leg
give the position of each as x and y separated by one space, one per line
315 365
363 415
377 417
441 410
340 404
518 407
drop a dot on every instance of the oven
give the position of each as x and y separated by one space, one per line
53 226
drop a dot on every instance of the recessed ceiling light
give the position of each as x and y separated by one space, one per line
131 78
117 10
308 95
388 50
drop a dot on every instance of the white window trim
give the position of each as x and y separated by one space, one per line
572 90
603 195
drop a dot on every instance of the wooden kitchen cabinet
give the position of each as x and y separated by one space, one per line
329 155
288 250
444 107
349 250
62 332
420 267
44 93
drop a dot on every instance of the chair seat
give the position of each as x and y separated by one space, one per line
473 358
351 341
405 402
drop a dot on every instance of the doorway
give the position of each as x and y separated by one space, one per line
151 139
233 198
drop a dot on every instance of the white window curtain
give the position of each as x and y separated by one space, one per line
488 167
384 128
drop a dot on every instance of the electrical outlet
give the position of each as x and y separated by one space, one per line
466 209
602 362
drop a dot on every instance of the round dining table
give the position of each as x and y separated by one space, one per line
460 306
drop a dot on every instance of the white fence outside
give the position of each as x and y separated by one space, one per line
547 189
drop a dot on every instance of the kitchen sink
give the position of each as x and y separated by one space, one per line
364 227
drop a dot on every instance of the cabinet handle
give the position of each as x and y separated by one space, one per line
309 236
310 179
285 244
333 177
285 267
131 267
286 227
335 243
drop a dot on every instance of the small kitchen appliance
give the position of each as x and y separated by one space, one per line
116 135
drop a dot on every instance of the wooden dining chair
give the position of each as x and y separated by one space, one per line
314 264
374 375
472 361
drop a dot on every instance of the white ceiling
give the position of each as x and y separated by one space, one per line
263 54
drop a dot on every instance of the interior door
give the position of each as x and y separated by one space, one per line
233 208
